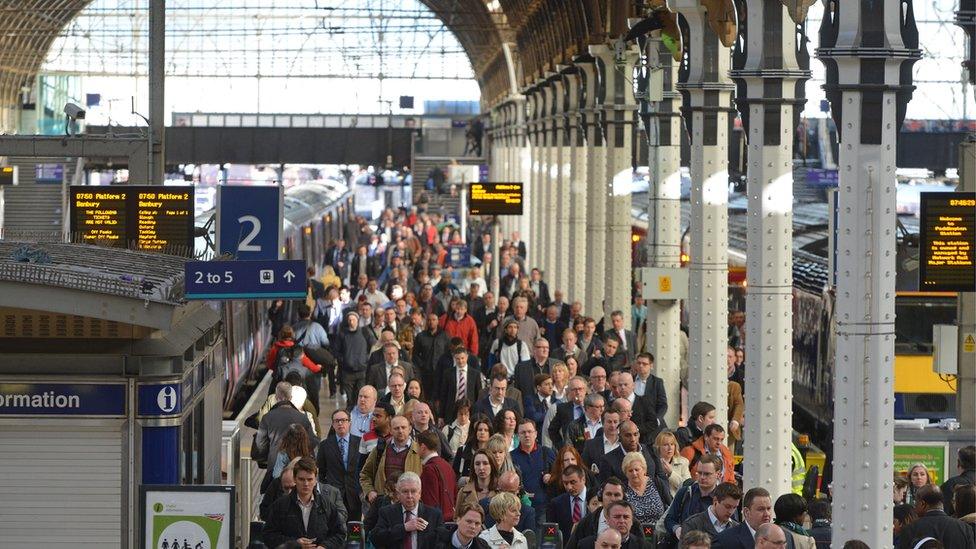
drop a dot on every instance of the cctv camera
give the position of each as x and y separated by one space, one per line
74 112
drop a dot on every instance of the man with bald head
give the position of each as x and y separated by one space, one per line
422 420
510 482
401 454
770 536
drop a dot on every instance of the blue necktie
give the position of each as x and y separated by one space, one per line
342 450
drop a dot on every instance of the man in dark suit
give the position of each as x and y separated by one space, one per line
628 341
612 490
312 514
338 462
336 254
595 450
565 310
378 374
933 522
569 508
462 380
650 387
567 412
620 519
407 519
362 264
496 401
540 288
539 363
725 500
757 510
642 410
537 402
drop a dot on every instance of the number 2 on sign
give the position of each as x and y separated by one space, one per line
246 242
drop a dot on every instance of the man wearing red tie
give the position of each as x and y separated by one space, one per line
569 507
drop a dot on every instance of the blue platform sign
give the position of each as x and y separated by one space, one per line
245 279
160 399
62 399
249 221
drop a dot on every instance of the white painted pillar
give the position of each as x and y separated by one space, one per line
558 279
550 178
596 199
706 101
619 114
523 166
868 55
575 243
664 222
538 198
767 73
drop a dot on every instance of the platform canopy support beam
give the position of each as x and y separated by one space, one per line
868 48
596 198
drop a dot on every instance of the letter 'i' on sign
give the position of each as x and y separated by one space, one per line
166 399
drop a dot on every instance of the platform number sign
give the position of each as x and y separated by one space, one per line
250 221
167 399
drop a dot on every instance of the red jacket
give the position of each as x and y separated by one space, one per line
465 329
278 345
438 486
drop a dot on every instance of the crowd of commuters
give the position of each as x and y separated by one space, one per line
500 412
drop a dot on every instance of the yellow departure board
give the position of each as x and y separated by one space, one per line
139 217
495 199
947 240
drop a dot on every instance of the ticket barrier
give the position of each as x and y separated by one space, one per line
552 537
355 538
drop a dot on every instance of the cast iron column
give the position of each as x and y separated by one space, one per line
868 48
706 95
575 243
592 256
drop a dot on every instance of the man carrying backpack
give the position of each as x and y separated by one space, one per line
313 338
691 499
287 355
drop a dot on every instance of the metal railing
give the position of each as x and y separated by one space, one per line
239 469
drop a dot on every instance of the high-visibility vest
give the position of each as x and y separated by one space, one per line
799 469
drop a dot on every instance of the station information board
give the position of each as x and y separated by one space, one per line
140 217
947 240
495 199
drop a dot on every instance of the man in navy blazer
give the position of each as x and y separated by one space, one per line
571 504
407 518
496 401
757 509
338 462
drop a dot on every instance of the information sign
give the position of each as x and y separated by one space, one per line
141 217
62 399
947 241
175 517
245 279
495 199
249 221
933 455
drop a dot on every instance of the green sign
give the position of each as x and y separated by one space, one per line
187 517
933 455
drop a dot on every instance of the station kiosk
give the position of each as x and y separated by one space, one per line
108 381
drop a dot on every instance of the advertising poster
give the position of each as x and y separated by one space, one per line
187 517
933 455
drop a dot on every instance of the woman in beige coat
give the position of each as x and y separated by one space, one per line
674 463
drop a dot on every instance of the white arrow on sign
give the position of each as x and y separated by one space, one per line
289 276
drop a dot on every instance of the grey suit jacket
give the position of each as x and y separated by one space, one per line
703 522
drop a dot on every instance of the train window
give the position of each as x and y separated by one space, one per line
914 317
193 447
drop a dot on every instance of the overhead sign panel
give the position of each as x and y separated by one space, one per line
947 238
245 279
249 221
495 199
140 217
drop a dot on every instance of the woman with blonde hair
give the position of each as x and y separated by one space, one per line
498 449
560 380
641 492
674 464
506 509
918 476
